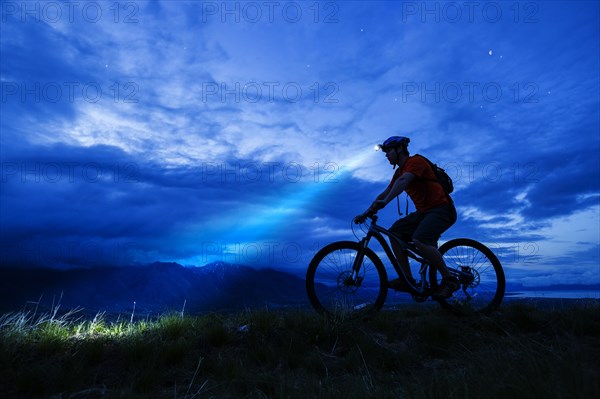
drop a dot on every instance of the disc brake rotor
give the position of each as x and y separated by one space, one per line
346 283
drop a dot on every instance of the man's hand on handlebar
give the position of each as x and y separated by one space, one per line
362 217
377 205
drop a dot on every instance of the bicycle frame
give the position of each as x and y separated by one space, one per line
378 233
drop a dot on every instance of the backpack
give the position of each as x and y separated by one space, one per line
441 176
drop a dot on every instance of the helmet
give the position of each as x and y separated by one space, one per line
394 141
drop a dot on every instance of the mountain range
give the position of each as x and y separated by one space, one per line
158 286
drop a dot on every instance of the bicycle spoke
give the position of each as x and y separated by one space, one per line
337 287
482 287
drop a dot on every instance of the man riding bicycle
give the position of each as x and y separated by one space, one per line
435 212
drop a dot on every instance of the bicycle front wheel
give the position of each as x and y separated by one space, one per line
482 281
334 289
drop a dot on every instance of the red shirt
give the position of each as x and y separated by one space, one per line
424 191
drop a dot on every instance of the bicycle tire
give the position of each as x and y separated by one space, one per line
486 290
328 272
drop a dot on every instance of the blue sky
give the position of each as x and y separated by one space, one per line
136 131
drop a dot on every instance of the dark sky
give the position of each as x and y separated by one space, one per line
244 131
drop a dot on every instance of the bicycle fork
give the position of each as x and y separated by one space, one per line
355 279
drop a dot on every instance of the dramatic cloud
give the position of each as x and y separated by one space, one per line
144 131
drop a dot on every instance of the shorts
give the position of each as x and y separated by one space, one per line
427 227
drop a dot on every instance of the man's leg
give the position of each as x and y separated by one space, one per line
404 228
402 260
434 256
425 237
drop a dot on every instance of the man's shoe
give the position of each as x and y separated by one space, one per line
449 285
399 284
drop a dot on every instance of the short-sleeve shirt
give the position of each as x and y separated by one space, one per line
424 191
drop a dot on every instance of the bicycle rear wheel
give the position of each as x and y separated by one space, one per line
482 281
333 288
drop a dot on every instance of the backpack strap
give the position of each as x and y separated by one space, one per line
432 166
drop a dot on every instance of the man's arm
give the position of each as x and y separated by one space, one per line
385 197
376 205
397 188
391 192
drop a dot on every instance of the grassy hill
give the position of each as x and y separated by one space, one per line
522 351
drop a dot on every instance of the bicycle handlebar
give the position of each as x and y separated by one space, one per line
369 215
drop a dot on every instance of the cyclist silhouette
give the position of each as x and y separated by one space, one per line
435 212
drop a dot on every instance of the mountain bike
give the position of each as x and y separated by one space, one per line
348 277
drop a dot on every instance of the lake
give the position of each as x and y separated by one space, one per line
568 294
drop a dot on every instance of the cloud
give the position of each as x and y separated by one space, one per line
233 133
